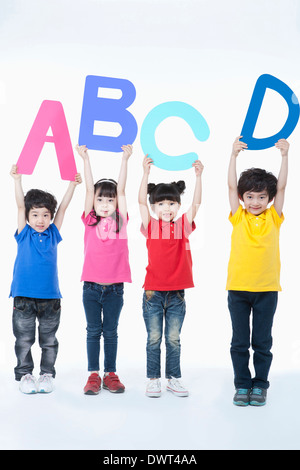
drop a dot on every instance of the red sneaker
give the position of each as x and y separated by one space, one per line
93 385
112 383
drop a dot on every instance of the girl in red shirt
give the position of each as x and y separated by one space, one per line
168 273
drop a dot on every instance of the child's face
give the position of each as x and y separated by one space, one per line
166 210
105 206
256 203
39 218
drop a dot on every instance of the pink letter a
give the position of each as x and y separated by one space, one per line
51 114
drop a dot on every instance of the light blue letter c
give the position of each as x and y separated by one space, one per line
180 109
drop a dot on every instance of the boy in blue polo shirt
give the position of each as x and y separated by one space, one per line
35 286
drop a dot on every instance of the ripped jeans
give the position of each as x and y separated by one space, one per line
157 306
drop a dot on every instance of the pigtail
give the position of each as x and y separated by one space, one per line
180 185
150 187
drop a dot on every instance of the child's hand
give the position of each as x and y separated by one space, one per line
14 173
238 146
283 146
127 151
147 162
199 167
82 150
77 180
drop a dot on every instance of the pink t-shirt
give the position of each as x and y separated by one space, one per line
106 257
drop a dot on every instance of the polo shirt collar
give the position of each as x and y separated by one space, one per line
45 232
165 224
252 216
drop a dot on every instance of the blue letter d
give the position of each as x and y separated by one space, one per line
264 82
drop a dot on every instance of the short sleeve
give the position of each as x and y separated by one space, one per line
20 236
188 228
90 219
55 233
145 231
237 217
152 229
277 219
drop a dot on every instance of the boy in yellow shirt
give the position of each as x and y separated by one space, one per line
253 278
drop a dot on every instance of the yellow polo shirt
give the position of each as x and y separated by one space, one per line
254 263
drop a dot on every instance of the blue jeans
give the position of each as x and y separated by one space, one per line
102 305
263 306
25 313
158 305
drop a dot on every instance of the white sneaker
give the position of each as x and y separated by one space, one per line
28 384
153 388
45 383
176 387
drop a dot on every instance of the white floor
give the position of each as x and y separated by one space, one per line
67 419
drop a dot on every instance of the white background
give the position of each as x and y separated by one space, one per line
208 54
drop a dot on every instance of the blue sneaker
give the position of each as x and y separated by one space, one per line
258 396
242 397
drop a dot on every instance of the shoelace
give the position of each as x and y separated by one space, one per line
242 391
257 391
45 377
176 383
153 384
28 378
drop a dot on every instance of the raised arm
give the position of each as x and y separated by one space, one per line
88 178
144 210
19 196
60 213
191 213
122 205
283 146
232 177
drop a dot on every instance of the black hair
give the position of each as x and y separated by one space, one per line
170 191
36 198
107 188
257 180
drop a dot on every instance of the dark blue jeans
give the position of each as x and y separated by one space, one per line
25 313
102 305
263 306
157 306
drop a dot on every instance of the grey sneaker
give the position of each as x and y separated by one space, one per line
258 396
242 397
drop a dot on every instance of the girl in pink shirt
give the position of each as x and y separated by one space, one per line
105 269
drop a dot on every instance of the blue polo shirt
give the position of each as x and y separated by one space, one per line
35 271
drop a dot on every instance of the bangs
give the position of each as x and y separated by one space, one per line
106 189
258 187
165 192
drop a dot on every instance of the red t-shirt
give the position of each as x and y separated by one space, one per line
169 255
